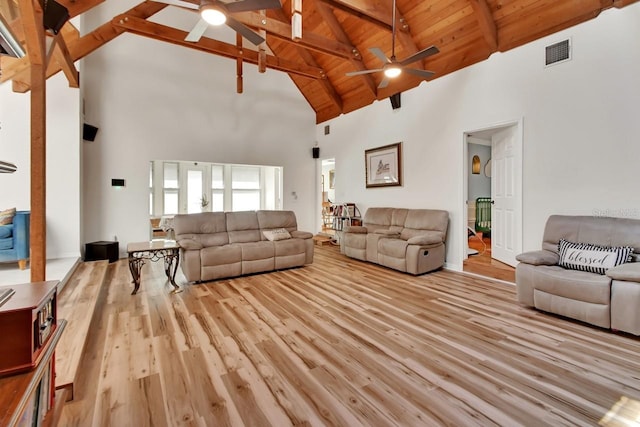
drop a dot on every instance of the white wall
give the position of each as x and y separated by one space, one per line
63 161
152 100
580 131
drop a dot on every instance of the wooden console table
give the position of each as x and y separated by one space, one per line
167 250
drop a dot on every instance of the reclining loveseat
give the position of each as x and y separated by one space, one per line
408 240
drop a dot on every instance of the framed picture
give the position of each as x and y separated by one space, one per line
383 166
332 179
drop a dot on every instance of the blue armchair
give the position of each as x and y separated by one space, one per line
14 240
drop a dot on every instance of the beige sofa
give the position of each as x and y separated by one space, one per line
409 240
214 245
611 300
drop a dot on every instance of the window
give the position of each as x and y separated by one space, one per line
151 188
217 188
190 187
170 189
245 184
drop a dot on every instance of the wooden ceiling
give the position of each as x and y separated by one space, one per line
336 37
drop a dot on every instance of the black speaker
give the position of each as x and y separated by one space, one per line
395 100
55 15
315 152
89 132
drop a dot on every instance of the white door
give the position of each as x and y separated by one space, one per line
198 198
506 211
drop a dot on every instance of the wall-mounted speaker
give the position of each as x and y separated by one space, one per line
315 152
55 16
89 132
395 100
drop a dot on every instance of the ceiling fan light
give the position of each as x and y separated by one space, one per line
212 15
392 72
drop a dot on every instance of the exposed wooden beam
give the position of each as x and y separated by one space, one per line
339 33
171 35
308 58
32 20
77 7
486 23
376 12
83 46
60 58
239 82
282 30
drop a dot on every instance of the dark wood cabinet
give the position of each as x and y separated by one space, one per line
27 320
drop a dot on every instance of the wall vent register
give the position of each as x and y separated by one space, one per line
557 52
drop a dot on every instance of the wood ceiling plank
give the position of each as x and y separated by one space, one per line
486 23
167 34
307 57
341 35
375 11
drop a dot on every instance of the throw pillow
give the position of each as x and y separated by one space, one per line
6 231
276 234
592 258
6 216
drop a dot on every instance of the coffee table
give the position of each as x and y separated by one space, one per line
140 252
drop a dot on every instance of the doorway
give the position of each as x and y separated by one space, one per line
493 200
328 183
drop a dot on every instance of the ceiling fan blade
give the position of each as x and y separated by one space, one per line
359 73
179 3
245 31
432 50
380 55
384 83
249 5
197 31
420 73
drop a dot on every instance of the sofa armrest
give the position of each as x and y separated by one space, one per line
629 272
297 234
189 244
425 239
358 229
541 257
21 232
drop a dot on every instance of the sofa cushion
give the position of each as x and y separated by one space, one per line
392 233
257 250
6 243
243 227
6 231
6 216
591 258
277 219
396 248
220 255
276 234
576 285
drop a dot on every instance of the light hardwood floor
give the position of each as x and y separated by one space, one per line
343 342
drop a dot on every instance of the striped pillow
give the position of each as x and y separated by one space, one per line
592 258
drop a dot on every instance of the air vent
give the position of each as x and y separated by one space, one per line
557 52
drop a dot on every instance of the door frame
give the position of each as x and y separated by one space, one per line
518 123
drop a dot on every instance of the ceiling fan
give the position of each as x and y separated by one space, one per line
392 67
215 12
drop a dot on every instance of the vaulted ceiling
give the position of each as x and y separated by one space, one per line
336 37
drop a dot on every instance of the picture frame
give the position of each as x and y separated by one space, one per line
332 179
383 166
